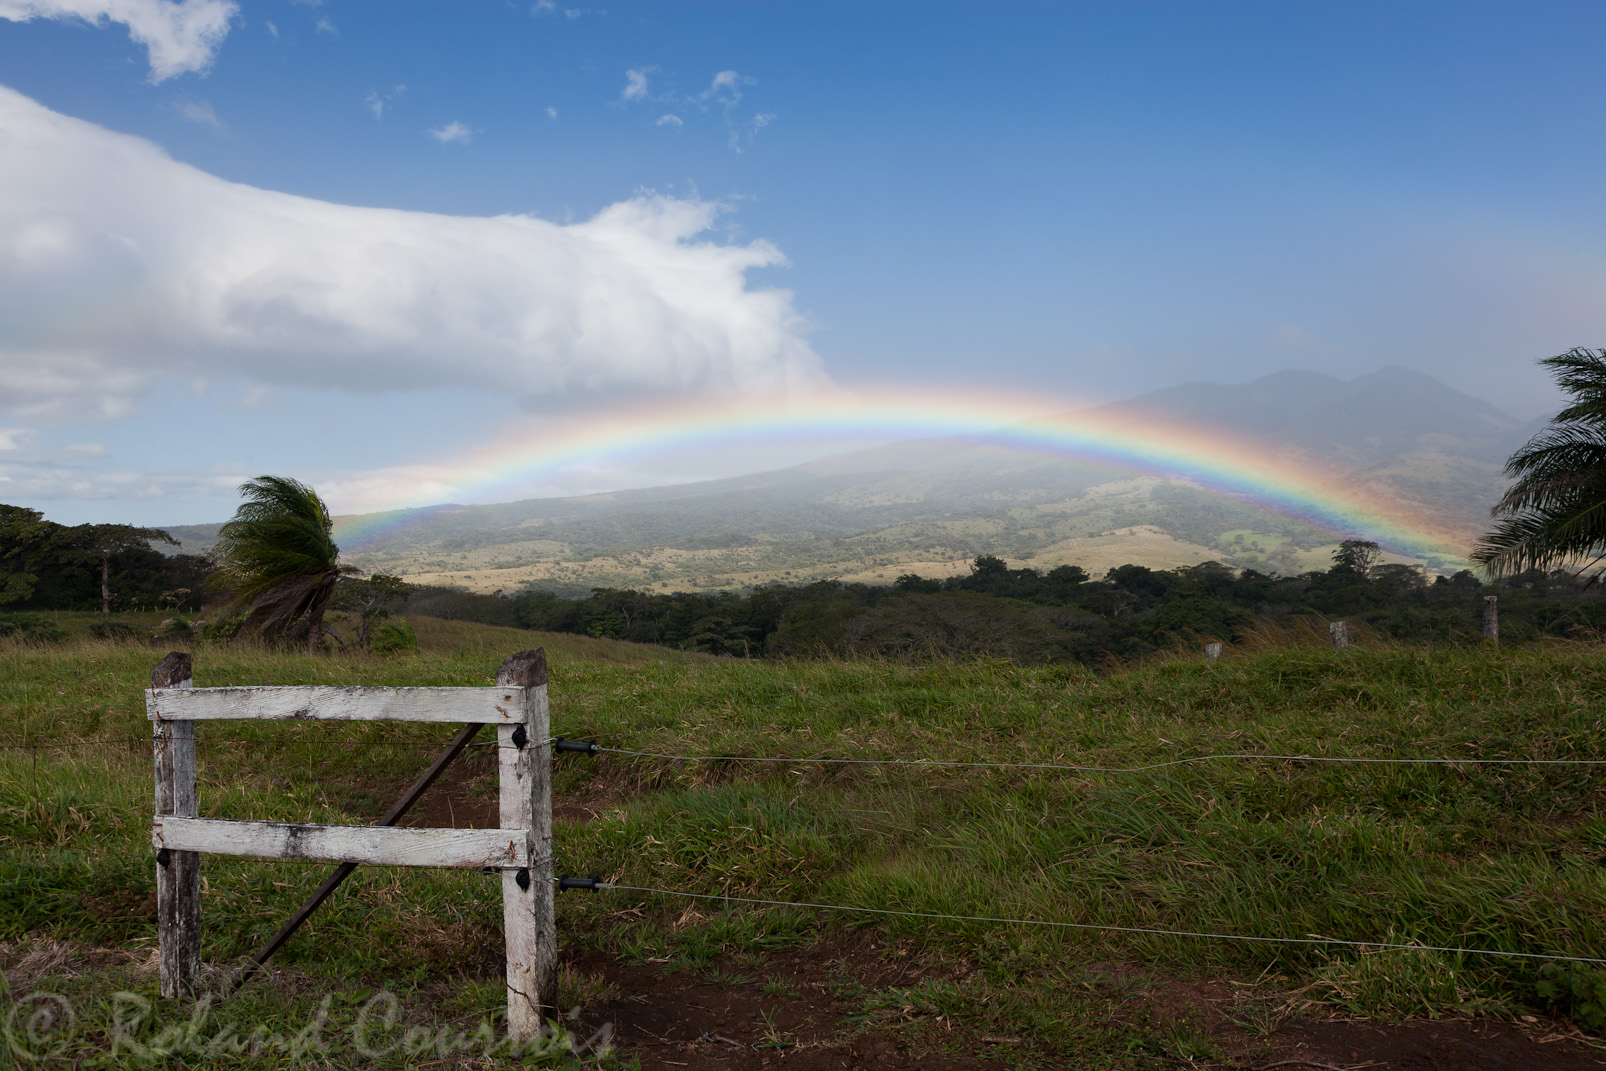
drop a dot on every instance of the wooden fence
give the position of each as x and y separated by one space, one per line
521 846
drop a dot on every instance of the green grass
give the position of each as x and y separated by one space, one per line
1503 858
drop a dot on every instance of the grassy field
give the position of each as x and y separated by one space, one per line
1507 858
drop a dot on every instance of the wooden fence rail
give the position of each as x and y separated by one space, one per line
520 848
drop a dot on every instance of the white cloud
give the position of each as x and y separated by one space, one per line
551 112
272 29
453 131
726 88
178 37
748 130
256 398
326 25
376 101
543 7
671 120
54 476
635 85
120 266
200 111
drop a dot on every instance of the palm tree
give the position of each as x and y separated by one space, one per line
278 559
1555 511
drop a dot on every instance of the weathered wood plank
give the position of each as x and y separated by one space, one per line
526 803
178 873
501 705
379 845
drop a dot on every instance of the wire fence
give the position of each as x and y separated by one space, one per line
1070 767
1312 940
1101 927
1244 757
140 743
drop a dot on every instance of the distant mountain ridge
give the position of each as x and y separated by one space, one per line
1371 417
930 506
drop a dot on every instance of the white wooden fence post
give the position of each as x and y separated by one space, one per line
178 874
1338 632
1212 652
1491 618
526 803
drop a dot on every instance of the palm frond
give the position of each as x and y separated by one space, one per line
1554 513
278 558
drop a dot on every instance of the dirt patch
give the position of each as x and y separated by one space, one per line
1441 1045
464 796
786 1011
805 1010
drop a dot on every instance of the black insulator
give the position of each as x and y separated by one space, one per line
593 884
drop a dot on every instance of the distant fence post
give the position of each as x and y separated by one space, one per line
178 873
1339 633
525 766
1212 652
1491 618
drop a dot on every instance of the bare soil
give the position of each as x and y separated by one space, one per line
683 1020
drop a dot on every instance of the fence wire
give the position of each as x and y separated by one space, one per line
1109 769
1329 941
236 742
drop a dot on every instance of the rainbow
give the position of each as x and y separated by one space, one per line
1054 428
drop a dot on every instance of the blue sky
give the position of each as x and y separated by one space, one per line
1086 200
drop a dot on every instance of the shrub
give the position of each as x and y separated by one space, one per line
392 636
31 629
113 630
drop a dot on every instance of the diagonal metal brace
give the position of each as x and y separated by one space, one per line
343 871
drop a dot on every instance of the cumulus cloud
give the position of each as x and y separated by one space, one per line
670 120
551 112
453 132
178 37
635 85
120 266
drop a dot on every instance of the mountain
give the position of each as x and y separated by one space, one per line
1404 435
930 506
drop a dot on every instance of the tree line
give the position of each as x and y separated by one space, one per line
1061 614
105 567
